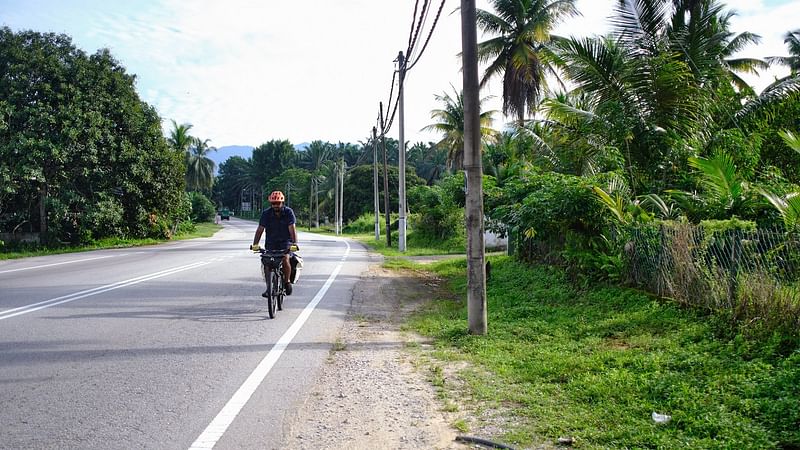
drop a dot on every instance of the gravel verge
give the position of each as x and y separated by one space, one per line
373 392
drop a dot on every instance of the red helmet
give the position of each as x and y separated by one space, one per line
276 196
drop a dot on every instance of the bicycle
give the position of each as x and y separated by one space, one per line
272 270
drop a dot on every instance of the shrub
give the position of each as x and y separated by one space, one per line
105 218
202 208
541 209
437 212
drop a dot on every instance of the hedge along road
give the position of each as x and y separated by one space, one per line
167 346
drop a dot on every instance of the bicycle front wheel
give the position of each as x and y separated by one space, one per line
272 293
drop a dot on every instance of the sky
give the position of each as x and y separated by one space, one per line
244 72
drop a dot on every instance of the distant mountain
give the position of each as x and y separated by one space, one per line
302 146
223 153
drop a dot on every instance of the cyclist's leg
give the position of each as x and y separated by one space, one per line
287 269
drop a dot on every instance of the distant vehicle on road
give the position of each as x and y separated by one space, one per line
225 214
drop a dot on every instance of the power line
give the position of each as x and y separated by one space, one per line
427 40
412 46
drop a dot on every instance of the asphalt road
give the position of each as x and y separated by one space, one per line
167 346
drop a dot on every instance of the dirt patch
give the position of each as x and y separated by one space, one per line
373 393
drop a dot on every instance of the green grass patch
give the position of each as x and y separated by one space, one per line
414 247
594 364
201 230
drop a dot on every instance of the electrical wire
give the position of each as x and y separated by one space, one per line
427 40
412 46
423 16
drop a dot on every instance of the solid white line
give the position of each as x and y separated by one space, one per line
214 431
60 263
94 291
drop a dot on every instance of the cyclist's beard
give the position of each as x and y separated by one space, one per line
276 210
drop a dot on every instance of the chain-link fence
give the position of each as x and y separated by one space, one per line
753 275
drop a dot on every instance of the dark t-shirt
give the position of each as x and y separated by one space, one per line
277 228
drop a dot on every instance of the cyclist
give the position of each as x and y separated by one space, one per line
278 221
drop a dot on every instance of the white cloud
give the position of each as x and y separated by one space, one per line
246 71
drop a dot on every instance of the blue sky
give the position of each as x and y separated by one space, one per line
246 71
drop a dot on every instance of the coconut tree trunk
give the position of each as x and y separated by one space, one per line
476 275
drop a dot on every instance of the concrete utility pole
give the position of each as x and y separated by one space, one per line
336 200
386 185
375 183
401 165
476 270
341 195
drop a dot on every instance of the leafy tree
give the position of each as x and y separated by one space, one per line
295 184
77 142
358 190
272 158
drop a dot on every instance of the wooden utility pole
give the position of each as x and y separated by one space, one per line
476 270
401 161
385 184
375 184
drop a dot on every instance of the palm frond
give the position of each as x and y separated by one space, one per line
791 140
775 93
616 204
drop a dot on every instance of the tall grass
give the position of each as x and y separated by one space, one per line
594 365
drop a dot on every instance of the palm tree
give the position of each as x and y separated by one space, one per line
199 167
314 159
429 161
179 138
700 34
792 40
518 51
451 125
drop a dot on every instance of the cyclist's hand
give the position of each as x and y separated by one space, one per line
294 247
255 247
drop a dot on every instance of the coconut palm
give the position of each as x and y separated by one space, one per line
429 161
199 167
518 52
699 33
179 137
314 159
792 40
451 125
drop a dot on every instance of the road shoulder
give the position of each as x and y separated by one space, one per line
372 392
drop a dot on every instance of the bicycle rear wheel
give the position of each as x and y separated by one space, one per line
272 293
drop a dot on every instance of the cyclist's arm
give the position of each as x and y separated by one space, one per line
259 232
293 233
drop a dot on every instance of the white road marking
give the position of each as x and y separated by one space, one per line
94 291
60 263
214 431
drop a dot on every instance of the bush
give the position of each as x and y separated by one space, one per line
541 209
104 218
365 223
202 208
438 214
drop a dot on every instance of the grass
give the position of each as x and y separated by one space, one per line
594 364
414 246
201 230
